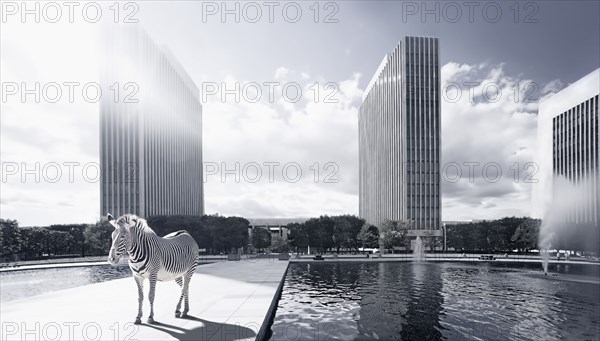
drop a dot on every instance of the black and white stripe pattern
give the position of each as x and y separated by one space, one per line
168 258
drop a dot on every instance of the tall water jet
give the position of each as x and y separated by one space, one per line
563 225
545 244
419 251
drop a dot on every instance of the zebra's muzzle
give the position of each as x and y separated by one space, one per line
113 259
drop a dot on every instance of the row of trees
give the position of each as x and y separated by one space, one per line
328 233
218 234
37 242
504 234
348 232
213 233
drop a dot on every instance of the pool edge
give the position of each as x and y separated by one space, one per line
268 321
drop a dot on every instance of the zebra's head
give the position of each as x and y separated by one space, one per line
121 236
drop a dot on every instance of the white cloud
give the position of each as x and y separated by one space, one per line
281 72
499 131
309 133
36 136
453 70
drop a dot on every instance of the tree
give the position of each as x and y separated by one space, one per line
345 231
98 237
369 236
261 238
431 241
326 225
297 237
34 241
213 228
76 242
236 230
311 228
526 235
342 233
320 232
454 237
10 240
394 233
279 245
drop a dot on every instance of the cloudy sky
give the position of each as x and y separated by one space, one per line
503 59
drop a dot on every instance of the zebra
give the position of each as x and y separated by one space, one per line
172 257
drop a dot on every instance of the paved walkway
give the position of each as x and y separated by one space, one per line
228 301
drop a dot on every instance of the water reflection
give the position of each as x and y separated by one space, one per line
436 301
329 300
25 283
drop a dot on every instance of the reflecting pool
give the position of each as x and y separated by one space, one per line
25 283
438 301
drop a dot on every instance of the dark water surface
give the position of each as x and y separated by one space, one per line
25 283
438 301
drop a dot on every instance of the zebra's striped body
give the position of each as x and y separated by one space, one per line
168 258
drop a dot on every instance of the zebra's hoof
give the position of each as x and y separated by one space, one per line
150 320
137 321
177 314
184 315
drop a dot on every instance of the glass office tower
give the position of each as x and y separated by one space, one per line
567 154
399 139
150 130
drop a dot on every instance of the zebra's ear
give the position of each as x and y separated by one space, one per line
112 221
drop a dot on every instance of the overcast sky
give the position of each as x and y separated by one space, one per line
527 52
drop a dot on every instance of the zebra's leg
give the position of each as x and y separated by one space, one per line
179 281
139 280
186 290
151 297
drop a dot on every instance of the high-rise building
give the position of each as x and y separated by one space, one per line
150 130
399 139
568 182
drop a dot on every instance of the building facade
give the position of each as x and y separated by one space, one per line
277 226
150 130
399 139
568 186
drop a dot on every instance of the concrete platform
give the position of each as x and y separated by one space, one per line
228 301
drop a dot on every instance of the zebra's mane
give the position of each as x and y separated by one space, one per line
141 224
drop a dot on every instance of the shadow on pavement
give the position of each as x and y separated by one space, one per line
207 331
